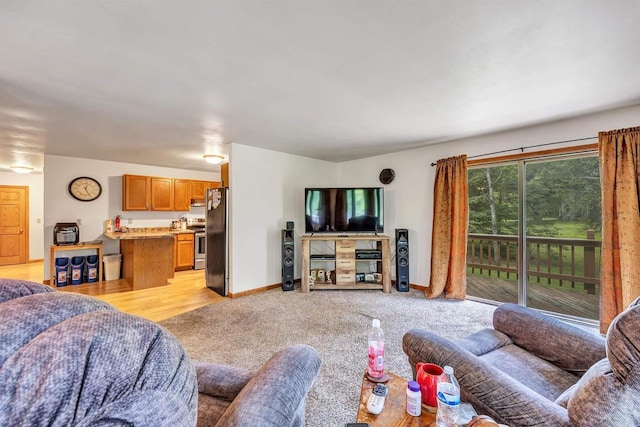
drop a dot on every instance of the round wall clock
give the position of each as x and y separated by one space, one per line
85 189
386 176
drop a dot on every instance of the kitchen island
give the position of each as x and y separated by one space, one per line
147 256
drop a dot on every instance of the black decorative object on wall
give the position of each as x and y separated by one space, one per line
386 176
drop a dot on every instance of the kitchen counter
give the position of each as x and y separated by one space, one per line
147 255
146 233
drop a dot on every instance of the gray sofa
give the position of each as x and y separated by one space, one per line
68 359
534 370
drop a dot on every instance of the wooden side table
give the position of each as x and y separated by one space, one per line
394 413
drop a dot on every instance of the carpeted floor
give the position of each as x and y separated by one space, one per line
246 331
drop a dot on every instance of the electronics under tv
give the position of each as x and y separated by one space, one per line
342 210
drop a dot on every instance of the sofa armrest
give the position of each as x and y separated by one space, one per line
488 389
221 381
557 342
276 394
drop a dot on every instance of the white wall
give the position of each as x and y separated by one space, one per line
408 199
35 182
266 191
59 206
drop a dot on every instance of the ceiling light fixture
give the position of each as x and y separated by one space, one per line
214 159
21 169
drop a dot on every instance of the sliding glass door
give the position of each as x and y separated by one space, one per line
492 252
534 234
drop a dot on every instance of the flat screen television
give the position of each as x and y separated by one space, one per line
339 210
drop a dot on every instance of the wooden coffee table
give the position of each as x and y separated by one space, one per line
394 412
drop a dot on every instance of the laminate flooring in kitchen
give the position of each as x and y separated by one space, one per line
187 291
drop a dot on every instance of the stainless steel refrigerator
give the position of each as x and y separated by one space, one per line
217 240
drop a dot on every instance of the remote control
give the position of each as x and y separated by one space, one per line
376 400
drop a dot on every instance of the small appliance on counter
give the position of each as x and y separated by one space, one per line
66 233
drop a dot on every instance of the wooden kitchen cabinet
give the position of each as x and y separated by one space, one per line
148 193
161 194
224 174
145 193
136 193
199 188
181 194
183 259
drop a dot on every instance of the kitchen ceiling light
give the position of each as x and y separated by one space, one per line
21 169
214 159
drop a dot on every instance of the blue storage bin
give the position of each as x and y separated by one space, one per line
77 269
62 271
92 268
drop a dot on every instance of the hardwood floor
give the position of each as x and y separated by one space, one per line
185 292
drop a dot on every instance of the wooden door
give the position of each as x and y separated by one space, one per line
182 194
135 193
14 231
161 194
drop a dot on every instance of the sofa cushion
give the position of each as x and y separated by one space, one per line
26 317
566 346
537 374
623 344
608 394
484 341
13 288
99 366
68 359
600 400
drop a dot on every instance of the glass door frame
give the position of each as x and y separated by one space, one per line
521 161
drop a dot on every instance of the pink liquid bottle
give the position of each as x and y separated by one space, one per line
376 350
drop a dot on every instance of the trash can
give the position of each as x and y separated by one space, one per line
62 270
77 269
92 268
112 266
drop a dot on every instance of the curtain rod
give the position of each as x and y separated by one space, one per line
528 146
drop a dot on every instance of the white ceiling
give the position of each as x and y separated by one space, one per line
162 82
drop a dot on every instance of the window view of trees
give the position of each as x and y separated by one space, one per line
561 222
493 200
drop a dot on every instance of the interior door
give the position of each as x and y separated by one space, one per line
13 224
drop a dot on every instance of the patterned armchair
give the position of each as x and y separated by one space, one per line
68 359
534 370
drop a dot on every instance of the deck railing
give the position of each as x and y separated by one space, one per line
551 261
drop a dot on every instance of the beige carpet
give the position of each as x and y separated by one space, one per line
246 331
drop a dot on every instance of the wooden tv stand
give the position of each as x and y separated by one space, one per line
343 260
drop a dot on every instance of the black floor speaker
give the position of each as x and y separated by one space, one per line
402 259
288 260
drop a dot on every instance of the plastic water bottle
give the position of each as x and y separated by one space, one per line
448 399
376 350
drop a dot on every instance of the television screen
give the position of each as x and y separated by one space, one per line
335 210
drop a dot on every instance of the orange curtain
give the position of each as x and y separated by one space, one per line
450 225
619 152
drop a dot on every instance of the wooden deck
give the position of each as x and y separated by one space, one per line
578 304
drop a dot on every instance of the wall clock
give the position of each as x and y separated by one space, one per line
386 176
85 189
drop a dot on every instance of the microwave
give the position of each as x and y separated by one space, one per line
66 233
